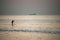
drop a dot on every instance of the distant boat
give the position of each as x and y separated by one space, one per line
33 14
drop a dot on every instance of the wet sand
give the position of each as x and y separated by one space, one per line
29 22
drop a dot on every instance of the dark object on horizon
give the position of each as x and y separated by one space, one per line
33 14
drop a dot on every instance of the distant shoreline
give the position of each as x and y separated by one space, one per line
29 15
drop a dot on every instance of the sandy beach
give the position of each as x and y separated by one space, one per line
29 22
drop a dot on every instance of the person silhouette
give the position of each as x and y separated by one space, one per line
12 22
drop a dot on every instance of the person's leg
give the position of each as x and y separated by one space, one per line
12 24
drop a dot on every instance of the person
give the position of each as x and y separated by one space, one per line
12 22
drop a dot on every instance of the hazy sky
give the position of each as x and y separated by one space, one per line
28 7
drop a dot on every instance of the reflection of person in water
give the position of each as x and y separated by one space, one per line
12 22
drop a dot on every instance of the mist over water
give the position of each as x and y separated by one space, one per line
30 7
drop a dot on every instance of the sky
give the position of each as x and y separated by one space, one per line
30 7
